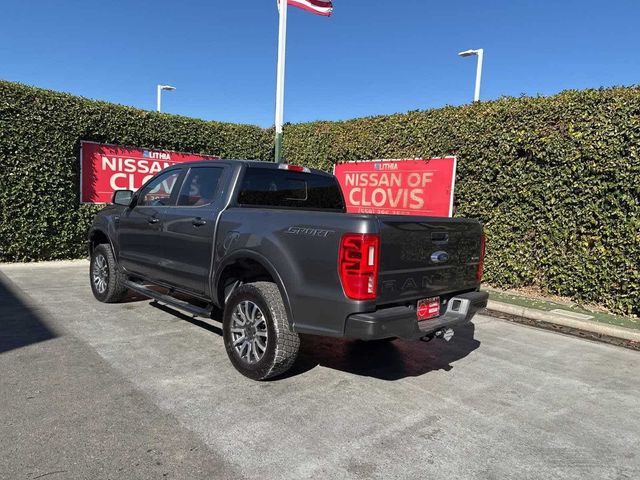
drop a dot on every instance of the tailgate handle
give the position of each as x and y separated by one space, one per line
440 238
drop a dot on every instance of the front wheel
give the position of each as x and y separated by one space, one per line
107 283
257 336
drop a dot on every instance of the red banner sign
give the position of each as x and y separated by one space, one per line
105 168
399 187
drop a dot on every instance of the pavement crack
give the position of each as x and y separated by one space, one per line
50 473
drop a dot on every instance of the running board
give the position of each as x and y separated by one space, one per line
169 300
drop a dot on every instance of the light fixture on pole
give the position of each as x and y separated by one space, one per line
159 93
479 53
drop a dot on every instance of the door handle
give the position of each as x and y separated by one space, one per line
153 220
198 222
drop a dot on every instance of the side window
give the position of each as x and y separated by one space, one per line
158 192
200 187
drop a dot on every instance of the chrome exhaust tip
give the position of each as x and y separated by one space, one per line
446 334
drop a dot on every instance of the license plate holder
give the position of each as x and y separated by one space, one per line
428 308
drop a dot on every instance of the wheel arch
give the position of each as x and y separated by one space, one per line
246 266
98 236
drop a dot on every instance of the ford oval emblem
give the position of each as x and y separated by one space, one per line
439 257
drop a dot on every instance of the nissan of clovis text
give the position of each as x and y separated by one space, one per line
272 247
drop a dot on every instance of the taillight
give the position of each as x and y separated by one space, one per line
481 261
358 265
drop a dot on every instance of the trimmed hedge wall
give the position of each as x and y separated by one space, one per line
40 133
556 181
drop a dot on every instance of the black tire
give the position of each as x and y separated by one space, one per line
103 265
271 330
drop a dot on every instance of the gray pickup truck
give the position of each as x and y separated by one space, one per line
271 245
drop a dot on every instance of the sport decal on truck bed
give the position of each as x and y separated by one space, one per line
312 232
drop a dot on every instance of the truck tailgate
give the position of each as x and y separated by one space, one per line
423 257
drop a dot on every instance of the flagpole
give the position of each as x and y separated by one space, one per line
282 45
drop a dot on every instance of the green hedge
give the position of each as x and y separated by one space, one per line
556 180
40 133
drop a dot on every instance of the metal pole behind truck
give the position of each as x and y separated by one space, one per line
318 7
476 94
480 54
159 90
282 46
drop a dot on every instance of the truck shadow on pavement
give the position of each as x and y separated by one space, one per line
391 360
187 318
20 325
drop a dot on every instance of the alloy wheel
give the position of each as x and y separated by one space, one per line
249 333
100 273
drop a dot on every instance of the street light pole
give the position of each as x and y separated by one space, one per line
476 95
480 54
159 94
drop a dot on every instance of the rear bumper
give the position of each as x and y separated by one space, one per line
403 322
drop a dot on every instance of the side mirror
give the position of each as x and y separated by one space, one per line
122 197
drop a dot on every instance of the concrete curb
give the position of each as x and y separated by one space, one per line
48 264
555 321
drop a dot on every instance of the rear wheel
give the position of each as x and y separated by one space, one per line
256 332
107 283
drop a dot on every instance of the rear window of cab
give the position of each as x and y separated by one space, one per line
268 187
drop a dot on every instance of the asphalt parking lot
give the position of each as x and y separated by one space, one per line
89 390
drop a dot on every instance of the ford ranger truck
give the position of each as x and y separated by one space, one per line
272 247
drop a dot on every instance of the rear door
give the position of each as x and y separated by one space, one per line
189 228
422 257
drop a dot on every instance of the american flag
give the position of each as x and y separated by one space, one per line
319 7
